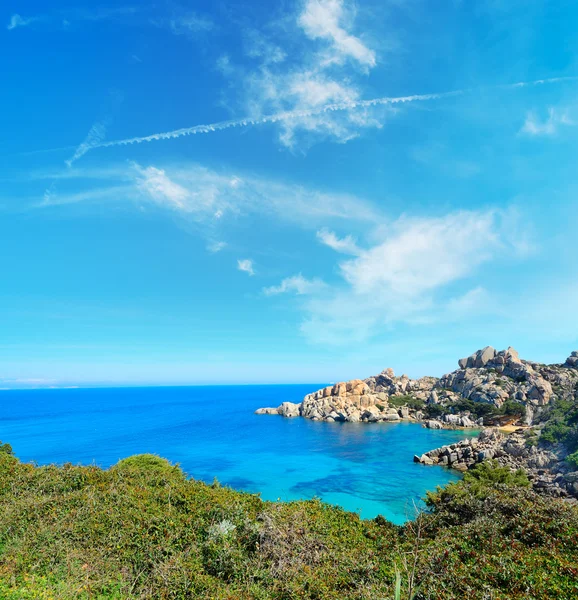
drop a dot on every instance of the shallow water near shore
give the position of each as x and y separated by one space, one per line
212 432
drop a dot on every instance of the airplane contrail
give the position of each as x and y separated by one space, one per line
275 118
308 112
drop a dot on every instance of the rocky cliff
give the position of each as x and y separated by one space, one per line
486 386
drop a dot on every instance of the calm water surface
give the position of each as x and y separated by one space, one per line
212 432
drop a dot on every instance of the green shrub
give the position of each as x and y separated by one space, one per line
6 449
513 408
573 459
561 419
406 400
433 411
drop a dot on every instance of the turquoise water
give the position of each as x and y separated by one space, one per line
212 432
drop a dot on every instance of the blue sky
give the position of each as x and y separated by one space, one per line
284 191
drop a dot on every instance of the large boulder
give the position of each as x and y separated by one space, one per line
290 409
267 411
484 356
478 359
391 417
572 360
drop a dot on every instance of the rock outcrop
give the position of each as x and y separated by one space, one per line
351 401
494 377
572 360
547 470
287 409
487 376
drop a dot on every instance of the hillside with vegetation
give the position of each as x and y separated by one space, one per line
142 529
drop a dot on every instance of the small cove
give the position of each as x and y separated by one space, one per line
212 432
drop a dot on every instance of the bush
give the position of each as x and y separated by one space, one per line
561 419
476 409
406 400
433 411
6 449
573 459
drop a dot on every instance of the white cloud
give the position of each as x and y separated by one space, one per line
215 247
18 21
304 69
190 24
161 188
297 284
423 254
407 276
110 194
534 126
210 197
346 245
325 19
246 265
66 17
259 47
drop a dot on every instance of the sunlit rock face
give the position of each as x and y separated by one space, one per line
487 376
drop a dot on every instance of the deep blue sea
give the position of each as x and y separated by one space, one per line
212 432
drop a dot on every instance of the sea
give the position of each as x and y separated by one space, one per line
213 433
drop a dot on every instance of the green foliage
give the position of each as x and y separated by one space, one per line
561 420
506 543
513 408
476 409
433 411
406 400
143 530
478 482
6 449
573 459
487 474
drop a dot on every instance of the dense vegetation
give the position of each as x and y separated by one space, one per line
561 426
476 409
143 530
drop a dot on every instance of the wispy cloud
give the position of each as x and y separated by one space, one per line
346 245
185 24
67 17
323 67
534 126
326 19
296 284
18 21
215 247
109 194
246 265
257 46
407 276
155 183
209 197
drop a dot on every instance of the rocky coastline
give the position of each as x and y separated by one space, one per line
493 391
547 469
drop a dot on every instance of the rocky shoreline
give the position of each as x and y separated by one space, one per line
547 470
489 389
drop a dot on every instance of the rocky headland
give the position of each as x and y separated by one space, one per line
512 400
